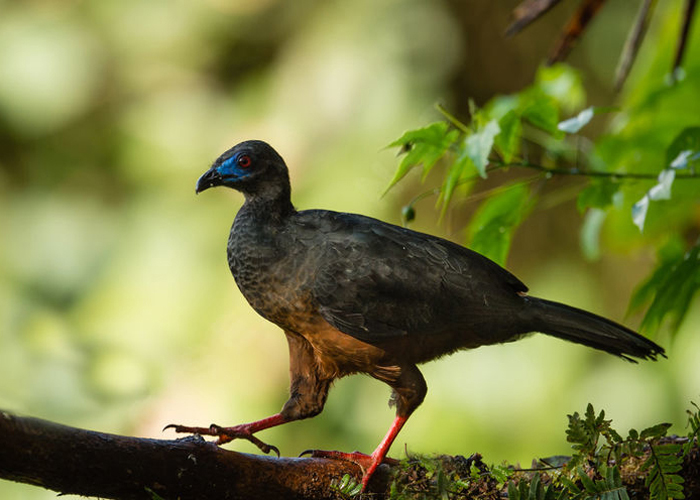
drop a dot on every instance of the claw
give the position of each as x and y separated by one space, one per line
205 431
225 435
263 446
367 463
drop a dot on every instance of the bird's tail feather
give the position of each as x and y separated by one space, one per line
582 327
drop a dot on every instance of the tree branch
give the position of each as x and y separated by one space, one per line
587 173
77 461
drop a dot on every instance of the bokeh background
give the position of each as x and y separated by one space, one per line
117 309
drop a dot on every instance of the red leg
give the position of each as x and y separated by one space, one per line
368 463
242 431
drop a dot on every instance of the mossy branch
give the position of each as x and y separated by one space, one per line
77 461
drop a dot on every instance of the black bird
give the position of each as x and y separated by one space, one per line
357 295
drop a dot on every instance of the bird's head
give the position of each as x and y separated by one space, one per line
251 167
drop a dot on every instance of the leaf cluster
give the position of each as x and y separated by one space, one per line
534 490
494 131
468 150
604 465
509 131
444 477
608 487
669 291
347 487
647 451
694 425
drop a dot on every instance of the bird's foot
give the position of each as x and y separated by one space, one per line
368 463
227 434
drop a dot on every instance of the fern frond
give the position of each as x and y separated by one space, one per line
664 462
694 424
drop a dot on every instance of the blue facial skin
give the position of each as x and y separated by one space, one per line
230 171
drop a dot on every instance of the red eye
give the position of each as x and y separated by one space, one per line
244 161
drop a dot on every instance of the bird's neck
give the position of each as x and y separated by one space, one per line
271 205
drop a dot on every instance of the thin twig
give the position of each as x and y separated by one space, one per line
690 6
452 119
590 173
527 12
634 41
574 29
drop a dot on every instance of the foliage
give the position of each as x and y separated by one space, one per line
534 490
694 425
671 287
347 487
594 470
524 131
604 465
444 477
153 495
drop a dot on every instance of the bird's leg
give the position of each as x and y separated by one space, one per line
409 391
368 463
241 431
308 392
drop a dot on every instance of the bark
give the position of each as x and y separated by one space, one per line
77 461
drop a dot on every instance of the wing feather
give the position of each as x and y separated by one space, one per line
375 280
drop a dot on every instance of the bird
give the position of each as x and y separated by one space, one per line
354 294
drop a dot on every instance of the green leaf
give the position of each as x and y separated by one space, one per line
694 425
687 140
600 193
674 292
153 494
612 435
655 431
570 485
501 473
507 142
562 83
474 471
347 486
500 105
423 146
541 111
492 226
668 257
588 483
536 490
479 145
513 492
663 462
524 490
454 175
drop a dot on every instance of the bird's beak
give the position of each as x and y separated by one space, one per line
210 178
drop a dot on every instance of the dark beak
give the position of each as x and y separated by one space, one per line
210 178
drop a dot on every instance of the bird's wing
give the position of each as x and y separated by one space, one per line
375 281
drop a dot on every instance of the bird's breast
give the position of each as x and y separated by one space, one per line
270 271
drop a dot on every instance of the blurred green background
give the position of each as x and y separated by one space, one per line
117 309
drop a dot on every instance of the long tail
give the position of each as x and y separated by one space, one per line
582 327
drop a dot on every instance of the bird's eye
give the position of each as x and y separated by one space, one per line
244 161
